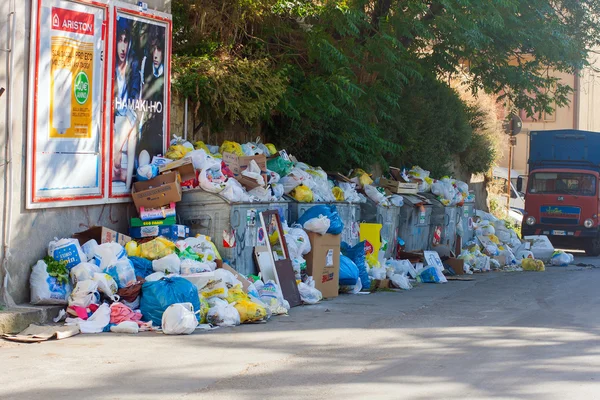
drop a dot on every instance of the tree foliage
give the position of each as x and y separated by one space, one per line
357 82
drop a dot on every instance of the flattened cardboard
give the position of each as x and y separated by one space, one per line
184 167
323 263
101 235
37 333
157 192
238 164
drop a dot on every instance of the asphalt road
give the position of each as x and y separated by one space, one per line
532 335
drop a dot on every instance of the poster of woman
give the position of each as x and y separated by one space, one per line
140 94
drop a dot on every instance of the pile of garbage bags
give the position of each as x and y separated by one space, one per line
158 284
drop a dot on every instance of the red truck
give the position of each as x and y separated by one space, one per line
562 199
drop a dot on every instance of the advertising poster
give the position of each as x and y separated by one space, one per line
140 88
66 157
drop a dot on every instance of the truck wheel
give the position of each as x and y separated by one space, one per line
593 247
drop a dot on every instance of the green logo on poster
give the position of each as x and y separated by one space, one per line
81 88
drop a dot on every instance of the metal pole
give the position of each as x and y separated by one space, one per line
185 120
509 185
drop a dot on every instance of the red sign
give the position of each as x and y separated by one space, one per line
72 21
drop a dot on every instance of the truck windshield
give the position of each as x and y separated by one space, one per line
562 183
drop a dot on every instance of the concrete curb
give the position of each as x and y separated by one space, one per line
16 319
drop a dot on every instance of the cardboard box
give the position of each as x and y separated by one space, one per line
137 223
380 284
398 187
323 262
458 266
157 192
101 235
238 164
173 232
184 167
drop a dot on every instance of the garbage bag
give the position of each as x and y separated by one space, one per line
402 267
336 225
300 238
125 327
147 172
133 249
271 147
348 271
179 319
141 266
89 248
177 152
212 180
250 311
357 255
83 272
108 254
529 264
271 295
67 250
302 193
308 293
157 248
318 225
338 193
364 179
200 145
280 166
170 264
189 267
431 275
236 293
106 284
95 323
202 159
157 296
46 289
375 195
561 259
84 294
400 281
223 315
156 276
235 192
231 147
122 272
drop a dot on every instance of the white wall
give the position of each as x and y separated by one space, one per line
33 229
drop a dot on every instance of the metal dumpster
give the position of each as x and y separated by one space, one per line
451 219
438 220
213 215
388 217
415 223
349 213
466 220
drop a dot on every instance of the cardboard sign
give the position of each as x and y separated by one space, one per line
432 259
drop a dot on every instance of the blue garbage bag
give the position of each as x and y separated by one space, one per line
357 255
348 271
330 211
157 296
142 267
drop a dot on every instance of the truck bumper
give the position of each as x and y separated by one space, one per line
562 232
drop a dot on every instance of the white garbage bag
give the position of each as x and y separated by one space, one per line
308 293
170 264
318 225
122 272
94 324
179 319
223 315
106 284
401 281
84 294
46 289
83 271
126 327
108 254
67 250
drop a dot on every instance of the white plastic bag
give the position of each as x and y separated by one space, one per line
375 195
201 160
89 248
227 277
271 295
318 225
170 264
45 289
212 180
397 200
253 172
300 238
106 284
223 315
189 267
179 319
402 267
126 327
122 272
235 192
562 259
308 293
67 250
378 273
108 254
401 281
83 271
84 294
157 276
488 230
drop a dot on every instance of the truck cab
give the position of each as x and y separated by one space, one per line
562 199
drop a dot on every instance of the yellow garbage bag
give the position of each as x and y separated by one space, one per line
271 147
177 152
250 311
303 194
529 264
199 145
372 260
204 307
133 249
363 177
231 147
338 194
494 239
157 248
236 293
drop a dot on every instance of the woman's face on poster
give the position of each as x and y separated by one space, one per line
122 45
157 57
